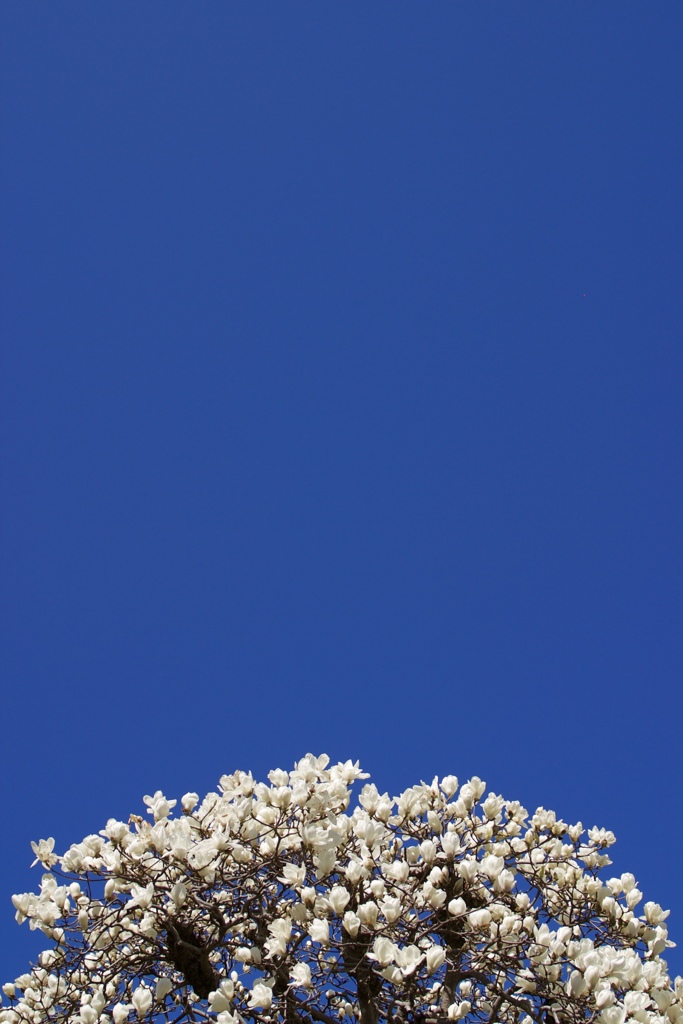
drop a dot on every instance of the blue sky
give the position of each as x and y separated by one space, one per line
341 407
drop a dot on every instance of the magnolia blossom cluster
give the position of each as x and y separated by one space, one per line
279 902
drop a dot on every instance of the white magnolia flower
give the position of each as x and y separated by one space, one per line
301 975
408 958
142 1000
43 851
368 913
158 805
338 897
351 923
480 918
391 907
428 851
293 875
435 957
492 866
654 914
456 1011
162 989
319 930
261 996
219 1001
450 844
225 1017
458 906
383 950
141 896
449 784
280 931
492 806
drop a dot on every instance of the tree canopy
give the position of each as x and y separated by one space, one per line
280 902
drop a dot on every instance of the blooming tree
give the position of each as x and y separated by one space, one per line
276 902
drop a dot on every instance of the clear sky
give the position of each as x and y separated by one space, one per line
341 407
